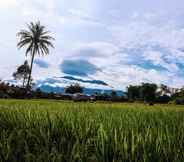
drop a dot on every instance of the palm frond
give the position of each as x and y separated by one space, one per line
45 49
24 42
47 37
29 49
36 39
47 42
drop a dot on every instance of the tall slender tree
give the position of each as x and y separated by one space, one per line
37 40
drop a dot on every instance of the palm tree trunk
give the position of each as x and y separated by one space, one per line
24 81
29 78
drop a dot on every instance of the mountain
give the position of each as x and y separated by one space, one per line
57 85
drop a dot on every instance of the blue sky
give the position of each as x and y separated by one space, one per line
119 42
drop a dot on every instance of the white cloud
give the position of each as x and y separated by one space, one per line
94 49
159 43
7 3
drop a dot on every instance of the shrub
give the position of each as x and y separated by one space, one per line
163 99
179 101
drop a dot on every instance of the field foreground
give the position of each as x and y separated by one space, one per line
90 132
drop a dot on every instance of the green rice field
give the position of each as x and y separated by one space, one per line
61 131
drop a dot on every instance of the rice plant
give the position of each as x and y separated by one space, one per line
60 131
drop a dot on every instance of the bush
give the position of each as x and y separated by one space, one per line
163 99
4 95
179 101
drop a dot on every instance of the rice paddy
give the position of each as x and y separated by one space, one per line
61 131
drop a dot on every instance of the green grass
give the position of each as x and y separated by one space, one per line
60 131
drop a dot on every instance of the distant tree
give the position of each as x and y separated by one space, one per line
148 92
22 73
36 40
133 92
114 94
38 93
75 88
3 86
145 92
105 96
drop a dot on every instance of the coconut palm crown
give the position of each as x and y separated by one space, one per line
37 41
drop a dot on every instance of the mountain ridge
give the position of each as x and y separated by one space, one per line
58 84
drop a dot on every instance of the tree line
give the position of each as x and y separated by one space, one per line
145 93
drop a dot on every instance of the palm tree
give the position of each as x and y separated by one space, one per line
37 42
